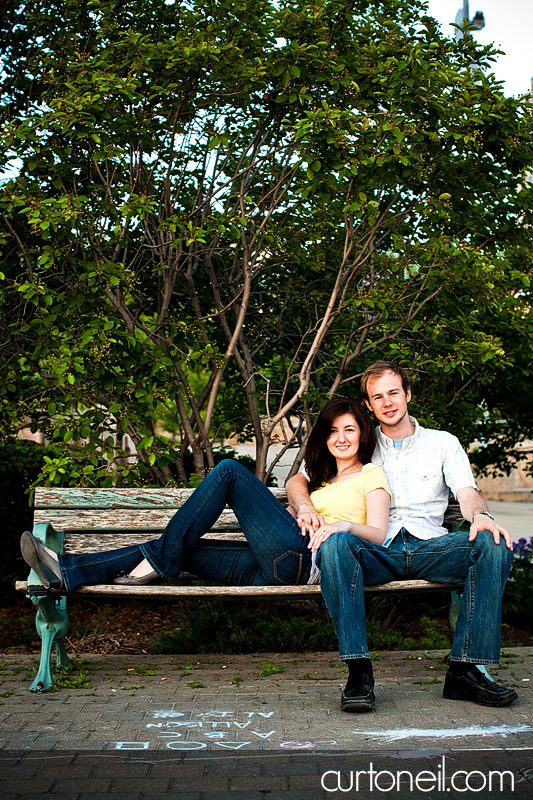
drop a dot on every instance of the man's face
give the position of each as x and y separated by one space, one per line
387 399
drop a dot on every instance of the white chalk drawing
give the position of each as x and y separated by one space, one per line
233 745
231 714
167 714
215 728
132 745
186 745
297 745
445 733
305 745
218 727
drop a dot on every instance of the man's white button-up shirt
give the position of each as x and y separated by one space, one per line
420 475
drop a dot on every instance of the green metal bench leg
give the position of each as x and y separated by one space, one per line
51 622
62 659
454 613
51 619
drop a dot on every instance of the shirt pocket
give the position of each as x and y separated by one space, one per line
426 484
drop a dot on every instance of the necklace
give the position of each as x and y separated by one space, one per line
354 468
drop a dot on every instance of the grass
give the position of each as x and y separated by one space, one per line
270 669
143 671
72 676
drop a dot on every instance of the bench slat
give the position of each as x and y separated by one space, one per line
120 519
86 542
119 498
162 590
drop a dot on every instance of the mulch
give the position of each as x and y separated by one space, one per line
101 628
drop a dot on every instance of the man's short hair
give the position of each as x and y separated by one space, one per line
377 370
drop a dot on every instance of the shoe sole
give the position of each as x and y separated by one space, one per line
496 703
29 554
357 706
31 557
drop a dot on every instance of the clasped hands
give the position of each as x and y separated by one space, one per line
313 524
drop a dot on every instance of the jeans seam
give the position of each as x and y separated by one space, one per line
299 573
300 566
471 579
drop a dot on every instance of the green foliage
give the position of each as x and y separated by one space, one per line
431 639
207 629
17 630
383 637
270 669
216 214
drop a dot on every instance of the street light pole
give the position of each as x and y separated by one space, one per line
463 16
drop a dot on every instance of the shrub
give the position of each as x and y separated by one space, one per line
518 595
234 629
20 463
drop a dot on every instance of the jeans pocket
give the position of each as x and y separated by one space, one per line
290 567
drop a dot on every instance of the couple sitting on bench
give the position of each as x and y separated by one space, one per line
368 511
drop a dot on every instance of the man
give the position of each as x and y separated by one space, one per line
422 466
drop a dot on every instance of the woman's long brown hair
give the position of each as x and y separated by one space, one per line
321 466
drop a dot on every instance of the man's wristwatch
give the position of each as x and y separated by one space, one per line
482 511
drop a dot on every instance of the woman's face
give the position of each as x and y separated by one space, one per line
343 440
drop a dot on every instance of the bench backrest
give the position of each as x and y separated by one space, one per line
101 519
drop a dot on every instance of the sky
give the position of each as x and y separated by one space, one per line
509 25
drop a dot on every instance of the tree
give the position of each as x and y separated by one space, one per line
223 211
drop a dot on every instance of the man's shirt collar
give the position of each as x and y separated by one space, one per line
386 441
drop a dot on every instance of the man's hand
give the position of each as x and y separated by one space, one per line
309 520
470 502
483 523
319 536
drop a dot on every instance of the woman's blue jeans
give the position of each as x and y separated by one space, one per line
348 562
275 552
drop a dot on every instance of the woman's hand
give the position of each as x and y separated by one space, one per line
325 531
377 512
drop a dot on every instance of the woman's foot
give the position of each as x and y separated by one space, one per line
142 574
42 560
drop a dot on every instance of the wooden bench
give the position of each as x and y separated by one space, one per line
89 520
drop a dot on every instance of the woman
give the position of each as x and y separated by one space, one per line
351 493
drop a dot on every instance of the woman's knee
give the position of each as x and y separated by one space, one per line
336 546
228 467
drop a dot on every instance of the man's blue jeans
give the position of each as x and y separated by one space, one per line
347 562
275 552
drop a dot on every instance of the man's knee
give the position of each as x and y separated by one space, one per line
484 546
